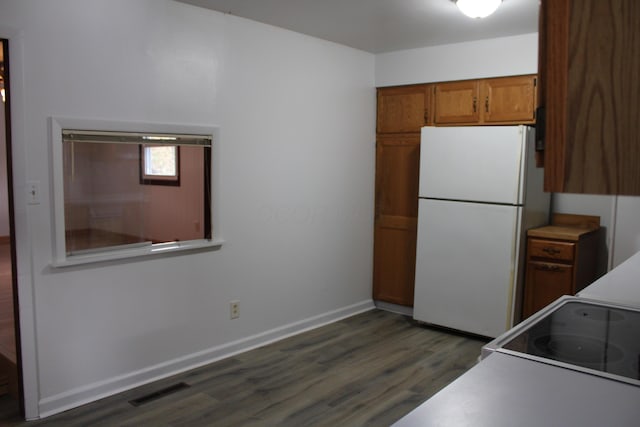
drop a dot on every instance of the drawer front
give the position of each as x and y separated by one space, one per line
554 250
545 282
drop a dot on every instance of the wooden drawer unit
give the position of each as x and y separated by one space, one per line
551 249
551 280
561 260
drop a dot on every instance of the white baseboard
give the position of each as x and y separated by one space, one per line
98 390
394 308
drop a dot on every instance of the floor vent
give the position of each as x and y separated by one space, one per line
158 394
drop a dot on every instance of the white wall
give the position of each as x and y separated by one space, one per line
479 59
619 216
4 195
589 204
627 228
297 121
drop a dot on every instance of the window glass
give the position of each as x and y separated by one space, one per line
110 200
161 161
160 164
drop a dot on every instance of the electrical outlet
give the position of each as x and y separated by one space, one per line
234 307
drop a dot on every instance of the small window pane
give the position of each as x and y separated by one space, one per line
160 161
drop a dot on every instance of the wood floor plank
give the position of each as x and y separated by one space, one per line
164 412
369 369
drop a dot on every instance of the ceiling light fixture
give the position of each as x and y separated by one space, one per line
478 8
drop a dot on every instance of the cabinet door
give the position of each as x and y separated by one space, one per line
403 109
457 102
396 211
545 282
592 93
509 99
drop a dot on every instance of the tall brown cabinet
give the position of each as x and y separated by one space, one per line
402 112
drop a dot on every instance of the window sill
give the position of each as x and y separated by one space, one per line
145 251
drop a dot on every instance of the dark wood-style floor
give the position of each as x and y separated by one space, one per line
8 366
7 335
370 369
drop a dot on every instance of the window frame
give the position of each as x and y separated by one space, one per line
59 255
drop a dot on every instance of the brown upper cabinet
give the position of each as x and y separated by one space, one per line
457 102
502 100
589 67
509 99
404 109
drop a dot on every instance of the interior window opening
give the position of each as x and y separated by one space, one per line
124 190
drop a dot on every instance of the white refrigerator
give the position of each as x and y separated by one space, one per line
479 193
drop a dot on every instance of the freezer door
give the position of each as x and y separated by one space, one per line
466 265
477 163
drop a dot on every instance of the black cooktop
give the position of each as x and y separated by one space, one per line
596 337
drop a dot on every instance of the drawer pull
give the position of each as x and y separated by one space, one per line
548 267
551 250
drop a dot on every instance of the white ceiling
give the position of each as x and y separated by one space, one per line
383 25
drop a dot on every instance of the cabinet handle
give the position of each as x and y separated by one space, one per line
547 267
486 104
551 251
426 116
475 104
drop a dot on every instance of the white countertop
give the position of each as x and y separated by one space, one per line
508 391
621 285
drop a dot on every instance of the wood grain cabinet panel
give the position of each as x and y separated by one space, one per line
396 213
404 109
397 169
591 95
500 100
551 249
402 112
509 99
457 102
394 259
548 281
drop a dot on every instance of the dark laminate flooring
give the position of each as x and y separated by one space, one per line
366 370
8 367
7 333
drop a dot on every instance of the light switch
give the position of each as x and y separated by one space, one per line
33 192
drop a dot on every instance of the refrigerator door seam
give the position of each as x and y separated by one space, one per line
480 202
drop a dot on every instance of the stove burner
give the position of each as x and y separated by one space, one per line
583 351
587 336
